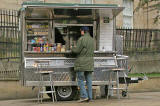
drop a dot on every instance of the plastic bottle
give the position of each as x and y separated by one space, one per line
47 47
41 47
58 47
63 49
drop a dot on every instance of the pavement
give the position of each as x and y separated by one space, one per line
136 99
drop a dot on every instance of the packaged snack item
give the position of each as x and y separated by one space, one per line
34 49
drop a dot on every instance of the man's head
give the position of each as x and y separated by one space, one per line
84 29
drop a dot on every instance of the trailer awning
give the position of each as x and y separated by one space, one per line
68 5
114 7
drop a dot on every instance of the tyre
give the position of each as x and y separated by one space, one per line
124 93
64 93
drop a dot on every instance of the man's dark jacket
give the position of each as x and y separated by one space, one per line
85 53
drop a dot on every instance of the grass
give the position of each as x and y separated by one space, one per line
147 74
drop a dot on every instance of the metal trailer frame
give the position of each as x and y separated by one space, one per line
62 66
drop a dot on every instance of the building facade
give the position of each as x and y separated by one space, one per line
127 19
143 18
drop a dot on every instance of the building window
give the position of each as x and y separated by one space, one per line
128 14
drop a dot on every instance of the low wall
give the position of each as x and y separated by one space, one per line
150 85
148 63
14 90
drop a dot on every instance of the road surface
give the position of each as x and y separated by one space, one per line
136 99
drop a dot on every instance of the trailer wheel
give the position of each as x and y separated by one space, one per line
124 93
64 93
106 90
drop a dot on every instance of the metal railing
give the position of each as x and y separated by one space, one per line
9 34
140 40
9 45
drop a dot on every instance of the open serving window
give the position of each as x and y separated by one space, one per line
47 29
56 27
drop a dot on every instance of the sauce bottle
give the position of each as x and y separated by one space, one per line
58 47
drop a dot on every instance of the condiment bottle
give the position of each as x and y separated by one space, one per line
63 49
58 47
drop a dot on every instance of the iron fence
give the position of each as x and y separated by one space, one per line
140 40
9 34
9 45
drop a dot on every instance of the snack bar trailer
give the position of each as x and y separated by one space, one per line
49 30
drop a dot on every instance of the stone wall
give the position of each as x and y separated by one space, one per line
149 63
10 4
14 90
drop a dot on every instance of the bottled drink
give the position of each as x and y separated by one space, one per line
41 47
47 47
38 48
58 47
44 47
63 49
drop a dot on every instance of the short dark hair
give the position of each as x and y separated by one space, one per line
84 28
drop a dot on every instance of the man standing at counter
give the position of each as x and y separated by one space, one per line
84 63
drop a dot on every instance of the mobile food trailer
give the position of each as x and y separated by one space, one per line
48 31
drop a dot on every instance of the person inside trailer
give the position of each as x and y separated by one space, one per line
59 38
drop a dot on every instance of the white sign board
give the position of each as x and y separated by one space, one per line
106 30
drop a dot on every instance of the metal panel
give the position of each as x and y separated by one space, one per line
64 62
106 30
65 83
63 73
119 44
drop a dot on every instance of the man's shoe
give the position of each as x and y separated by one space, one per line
83 100
90 100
